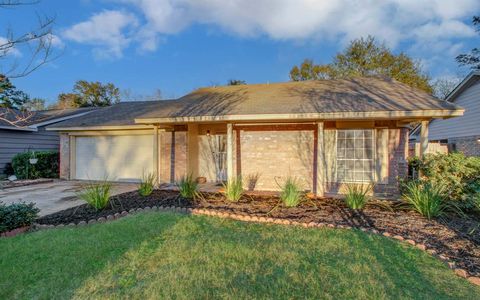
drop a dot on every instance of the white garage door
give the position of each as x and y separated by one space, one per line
116 158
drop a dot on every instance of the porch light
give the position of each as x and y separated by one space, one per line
208 132
478 140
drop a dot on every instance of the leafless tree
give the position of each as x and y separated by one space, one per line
37 43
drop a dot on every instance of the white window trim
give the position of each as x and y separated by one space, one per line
374 158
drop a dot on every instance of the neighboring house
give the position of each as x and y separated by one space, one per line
28 132
325 133
463 133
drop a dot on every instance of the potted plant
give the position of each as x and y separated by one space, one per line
33 159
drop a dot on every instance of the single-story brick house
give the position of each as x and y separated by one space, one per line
463 133
23 131
324 133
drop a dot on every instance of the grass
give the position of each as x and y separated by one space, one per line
425 198
357 195
147 184
165 255
187 187
233 189
291 192
96 194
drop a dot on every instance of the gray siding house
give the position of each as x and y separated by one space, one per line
30 133
463 133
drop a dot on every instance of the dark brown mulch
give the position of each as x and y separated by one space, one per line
455 237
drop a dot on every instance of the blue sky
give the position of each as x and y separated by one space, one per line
179 45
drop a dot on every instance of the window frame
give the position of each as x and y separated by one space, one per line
373 159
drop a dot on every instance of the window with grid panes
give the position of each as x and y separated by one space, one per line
355 155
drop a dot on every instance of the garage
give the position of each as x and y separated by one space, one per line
113 157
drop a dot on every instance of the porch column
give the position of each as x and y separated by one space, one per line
192 142
423 138
155 154
229 151
320 161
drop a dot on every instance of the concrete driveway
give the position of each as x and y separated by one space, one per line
55 196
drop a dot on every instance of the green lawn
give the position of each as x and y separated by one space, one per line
165 255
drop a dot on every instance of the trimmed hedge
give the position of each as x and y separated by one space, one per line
17 215
46 167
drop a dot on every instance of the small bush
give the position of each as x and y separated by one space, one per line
233 189
96 194
147 184
357 195
426 199
187 187
457 174
46 167
17 215
291 194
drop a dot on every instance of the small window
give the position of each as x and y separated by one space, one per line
355 155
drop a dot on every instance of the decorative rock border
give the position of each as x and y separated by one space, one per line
248 218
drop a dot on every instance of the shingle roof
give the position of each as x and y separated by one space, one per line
121 114
26 119
320 96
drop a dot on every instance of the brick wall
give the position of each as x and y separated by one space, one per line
64 156
169 158
468 145
397 162
275 155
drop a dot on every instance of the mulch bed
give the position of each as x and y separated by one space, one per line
454 237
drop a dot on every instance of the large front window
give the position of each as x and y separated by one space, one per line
355 155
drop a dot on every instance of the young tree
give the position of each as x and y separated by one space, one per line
443 86
34 104
67 100
96 93
366 57
10 96
471 59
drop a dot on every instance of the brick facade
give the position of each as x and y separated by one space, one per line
64 156
470 146
397 162
273 156
173 161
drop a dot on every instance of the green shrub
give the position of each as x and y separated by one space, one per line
457 174
291 194
187 187
147 184
357 195
17 215
46 167
426 198
96 194
234 189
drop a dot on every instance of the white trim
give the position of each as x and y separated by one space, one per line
119 127
59 119
459 87
439 113
20 128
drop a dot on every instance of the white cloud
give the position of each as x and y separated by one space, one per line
393 21
109 31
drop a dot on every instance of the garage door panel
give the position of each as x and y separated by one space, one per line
117 158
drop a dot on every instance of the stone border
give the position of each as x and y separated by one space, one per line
279 221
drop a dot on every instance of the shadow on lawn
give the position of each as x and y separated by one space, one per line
201 257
